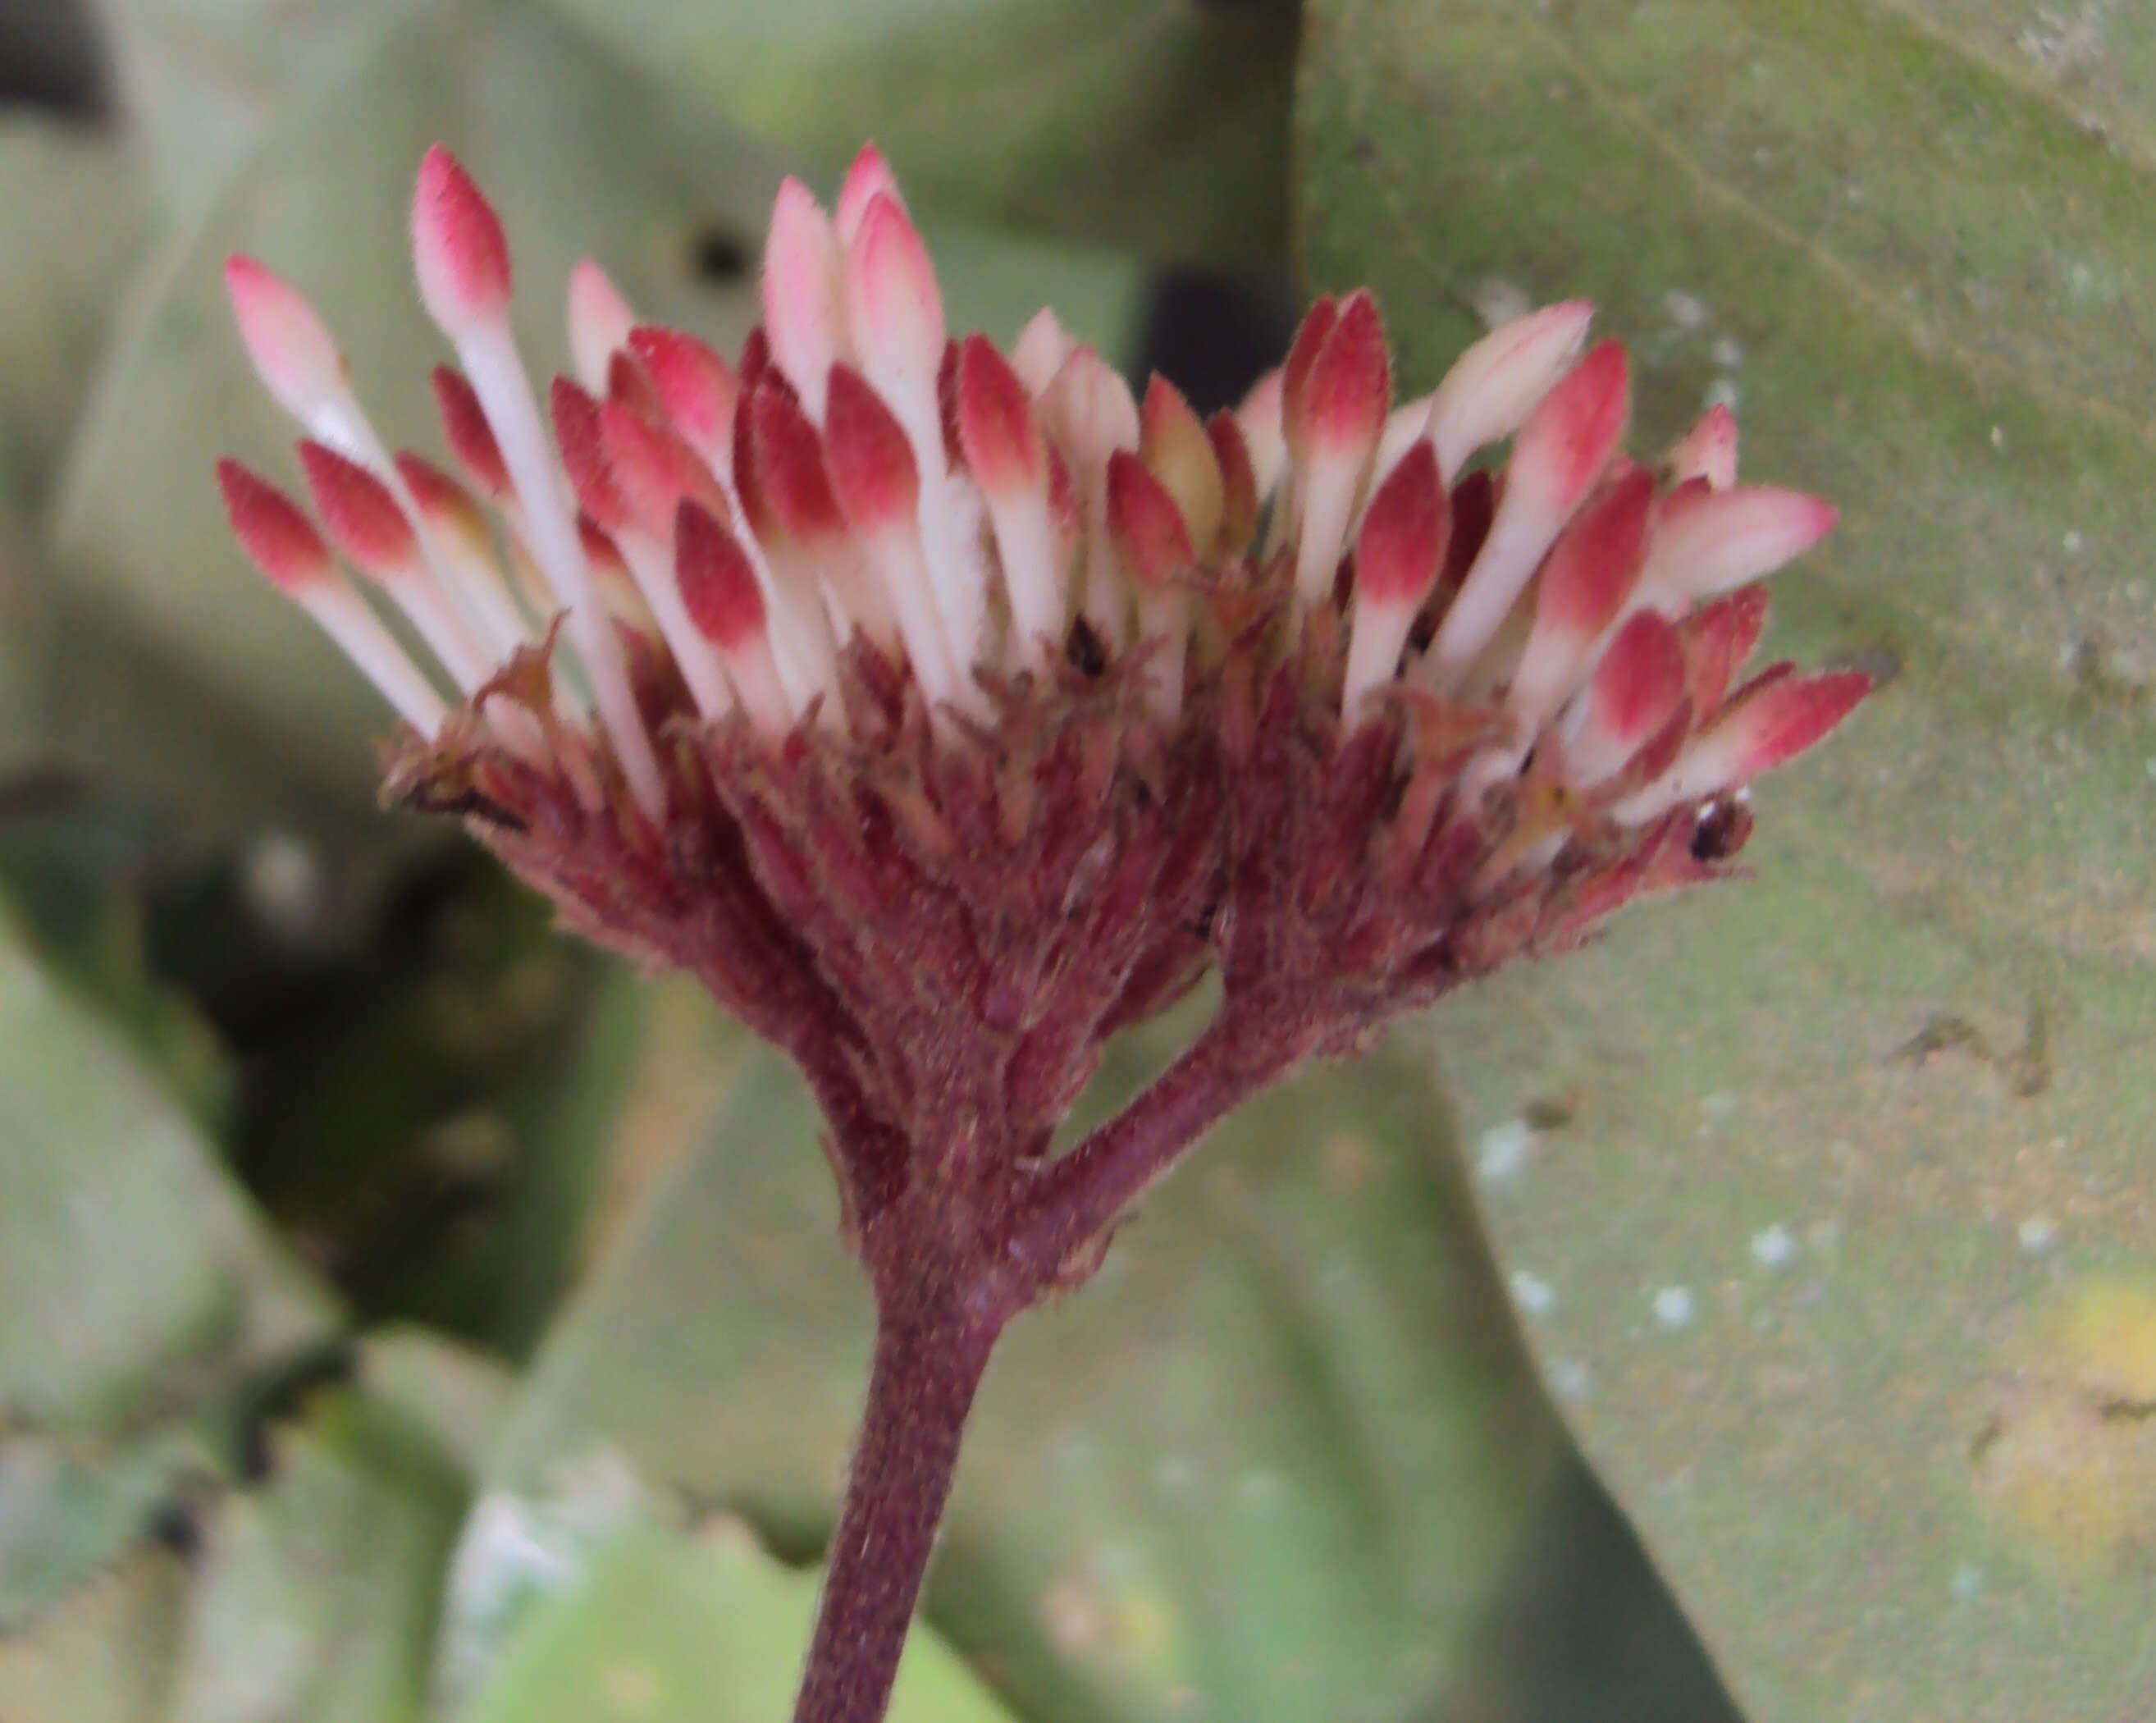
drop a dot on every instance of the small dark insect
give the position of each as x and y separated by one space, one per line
1722 830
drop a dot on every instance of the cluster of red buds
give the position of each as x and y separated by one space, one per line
946 710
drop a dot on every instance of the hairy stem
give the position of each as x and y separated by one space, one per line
1077 1198
930 1352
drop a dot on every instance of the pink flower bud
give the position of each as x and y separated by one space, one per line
1706 542
698 388
277 536
1402 543
362 517
583 455
1717 639
457 247
599 322
291 350
1586 579
1493 386
870 461
1146 528
1001 442
1398 555
1765 725
718 582
1637 688
893 306
470 438
1559 453
802 307
869 177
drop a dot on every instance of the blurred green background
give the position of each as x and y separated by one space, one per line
405 1312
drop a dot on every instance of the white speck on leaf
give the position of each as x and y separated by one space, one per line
2037 1233
1773 1246
1501 1153
1673 1306
1533 1293
1685 311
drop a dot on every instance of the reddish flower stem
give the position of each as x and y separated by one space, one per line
939 1319
1076 1199
928 1362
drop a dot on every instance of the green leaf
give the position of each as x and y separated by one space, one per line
664 1626
134 1277
457 1398
106 1656
69 1512
1157 129
1850 1153
1278 1455
317 1593
73 221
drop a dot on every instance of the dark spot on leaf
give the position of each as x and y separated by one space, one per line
1942 1034
2105 669
1552 1112
2026 1068
1363 150
177 1524
718 256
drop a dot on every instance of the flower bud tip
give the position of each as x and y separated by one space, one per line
871 463
291 350
361 514
459 249
272 529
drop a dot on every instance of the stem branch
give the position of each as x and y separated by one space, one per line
1077 1198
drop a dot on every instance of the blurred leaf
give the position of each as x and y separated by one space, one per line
133 1277
80 870
1276 1456
106 1656
317 1593
1152 127
203 79
670 1627
73 221
24 666
69 1512
1842 1143
457 1398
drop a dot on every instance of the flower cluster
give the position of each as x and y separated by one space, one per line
945 709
